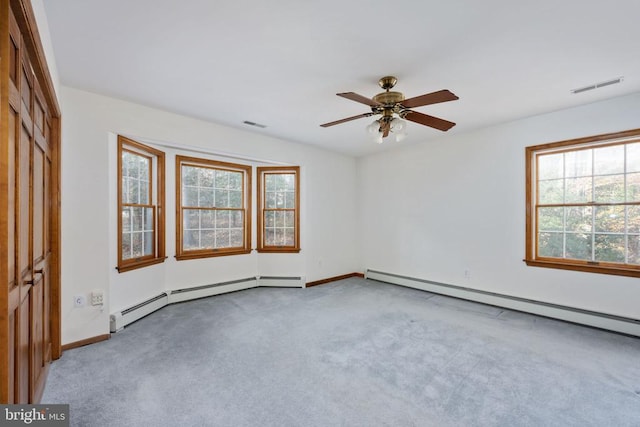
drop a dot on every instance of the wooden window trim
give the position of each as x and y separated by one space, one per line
158 255
181 254
261 171
531 256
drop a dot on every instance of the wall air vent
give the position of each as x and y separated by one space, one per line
258 125
597 85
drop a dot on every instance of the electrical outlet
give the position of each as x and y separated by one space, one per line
79 300
97 297
467 274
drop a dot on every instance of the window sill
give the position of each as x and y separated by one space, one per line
288 250
140 264
210 254
583 266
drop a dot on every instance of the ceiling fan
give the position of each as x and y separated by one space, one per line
394 108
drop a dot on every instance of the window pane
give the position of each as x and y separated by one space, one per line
237 219
236 238
578 163
270 182
633 249
280 200
144 193
578 190
191 219
125 189
289 219
205 176
633 219
129 164
126 246
609 248
189 176
189 196
609 188
289 200
148 243
235 199
136 245
551 219
289 237
279 236
136 219
205 198
207 239
578 246
191 239
289 182
269 236
609 219
133 195
207 219
222 238
223 219
608 160
222 199
550 166
235 180
551 192
270 200
269 219
222 179
148 219
579 219
279 219
633 157
143 168
550 245
126 219
633 187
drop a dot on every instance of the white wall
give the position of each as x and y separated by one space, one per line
90 125
434 210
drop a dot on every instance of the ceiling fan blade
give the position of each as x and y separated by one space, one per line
348 119
430 121
430 98
359 98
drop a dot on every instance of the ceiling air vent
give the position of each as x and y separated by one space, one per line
597 85
258 125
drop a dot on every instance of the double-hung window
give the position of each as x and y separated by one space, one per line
213 208
583 204
279 209
140 205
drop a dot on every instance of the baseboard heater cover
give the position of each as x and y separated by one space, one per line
281 282
596 319
118 320
186 294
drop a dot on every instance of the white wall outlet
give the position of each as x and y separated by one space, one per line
79 300
467 274
97 297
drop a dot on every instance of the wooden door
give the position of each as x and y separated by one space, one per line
29 241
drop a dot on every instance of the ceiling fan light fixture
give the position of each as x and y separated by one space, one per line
373 129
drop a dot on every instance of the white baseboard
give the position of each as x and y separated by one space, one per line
571 314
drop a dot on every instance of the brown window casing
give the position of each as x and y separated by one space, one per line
208 209
629 205
155 203
289 212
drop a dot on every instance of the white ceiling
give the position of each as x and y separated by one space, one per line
281 62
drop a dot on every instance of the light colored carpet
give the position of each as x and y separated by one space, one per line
349 353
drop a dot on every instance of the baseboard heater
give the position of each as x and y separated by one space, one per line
596 319
127 316
119 320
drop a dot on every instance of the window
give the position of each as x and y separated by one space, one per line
583 204
141 205
213 208
279 205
